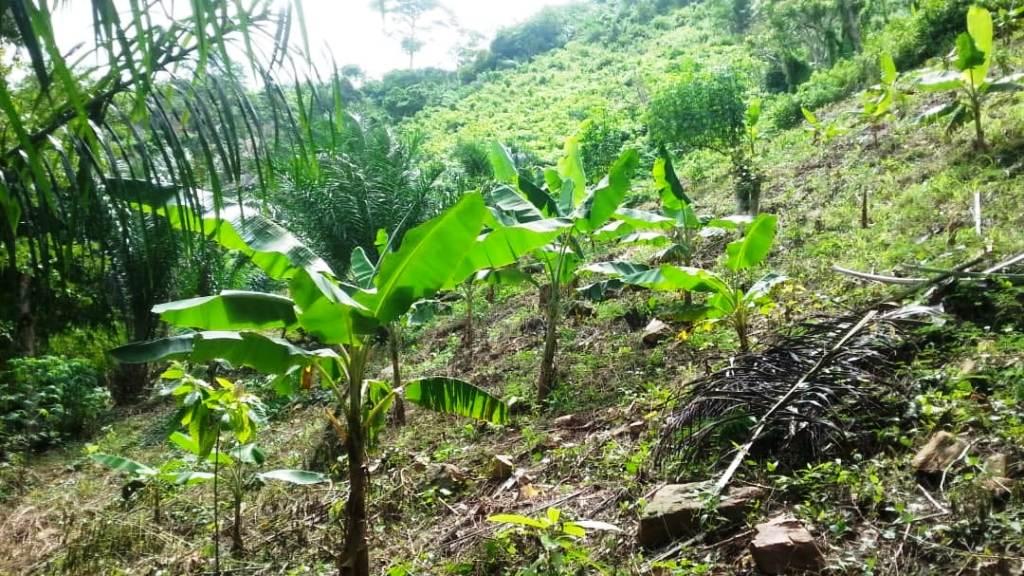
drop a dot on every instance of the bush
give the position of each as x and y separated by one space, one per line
702 110
601 138
47 400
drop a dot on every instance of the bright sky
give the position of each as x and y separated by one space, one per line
352 30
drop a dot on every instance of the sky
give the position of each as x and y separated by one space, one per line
353 32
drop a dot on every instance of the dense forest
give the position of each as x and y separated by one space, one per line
666 287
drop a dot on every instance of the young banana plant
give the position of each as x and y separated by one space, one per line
230 326
880 100
564 206
969 81
677 227
155 481
727 300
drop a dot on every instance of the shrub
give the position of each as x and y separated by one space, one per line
702 110
601 138
48 399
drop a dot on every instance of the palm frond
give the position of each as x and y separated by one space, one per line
825 388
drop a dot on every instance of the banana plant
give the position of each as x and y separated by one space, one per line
677 227
343 316
727 300
562 205
969 81
880 100
156 481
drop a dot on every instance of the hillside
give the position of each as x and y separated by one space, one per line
590 452
535 105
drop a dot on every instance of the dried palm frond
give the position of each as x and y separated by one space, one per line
799 395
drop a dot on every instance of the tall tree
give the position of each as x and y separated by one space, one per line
412 21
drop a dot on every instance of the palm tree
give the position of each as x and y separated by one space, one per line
166 107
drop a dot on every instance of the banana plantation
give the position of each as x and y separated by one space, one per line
443 287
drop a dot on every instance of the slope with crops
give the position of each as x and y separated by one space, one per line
571 348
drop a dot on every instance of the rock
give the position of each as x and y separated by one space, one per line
502 467
998 482
997 464
568 421
941 450
655 332
674 511
783 544
448 477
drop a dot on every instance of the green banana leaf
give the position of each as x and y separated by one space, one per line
511 208
570 167
121 464
670 278
502 166
755 245
600 204
230 310
361 269
264 354
458 397
507 245
297 477
426 260
644 220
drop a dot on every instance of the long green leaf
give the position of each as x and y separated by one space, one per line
506 245
501 164
452 396
513 208
606 198
754 246
979 26
233 226
670 278
121 464
261 353
427 258
361 269
230 310
570 167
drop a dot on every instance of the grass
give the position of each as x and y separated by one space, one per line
431 485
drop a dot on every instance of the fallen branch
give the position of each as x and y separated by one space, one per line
878 277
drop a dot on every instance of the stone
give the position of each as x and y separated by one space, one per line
568 421
502 467
655 332
997 464
674 511
783 544
941 450
998 481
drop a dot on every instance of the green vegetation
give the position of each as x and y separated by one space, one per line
478 320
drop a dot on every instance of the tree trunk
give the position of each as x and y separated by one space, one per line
356 560
864 208
850 16
26 323
398 408
468 334
547 366
979 134
236 531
